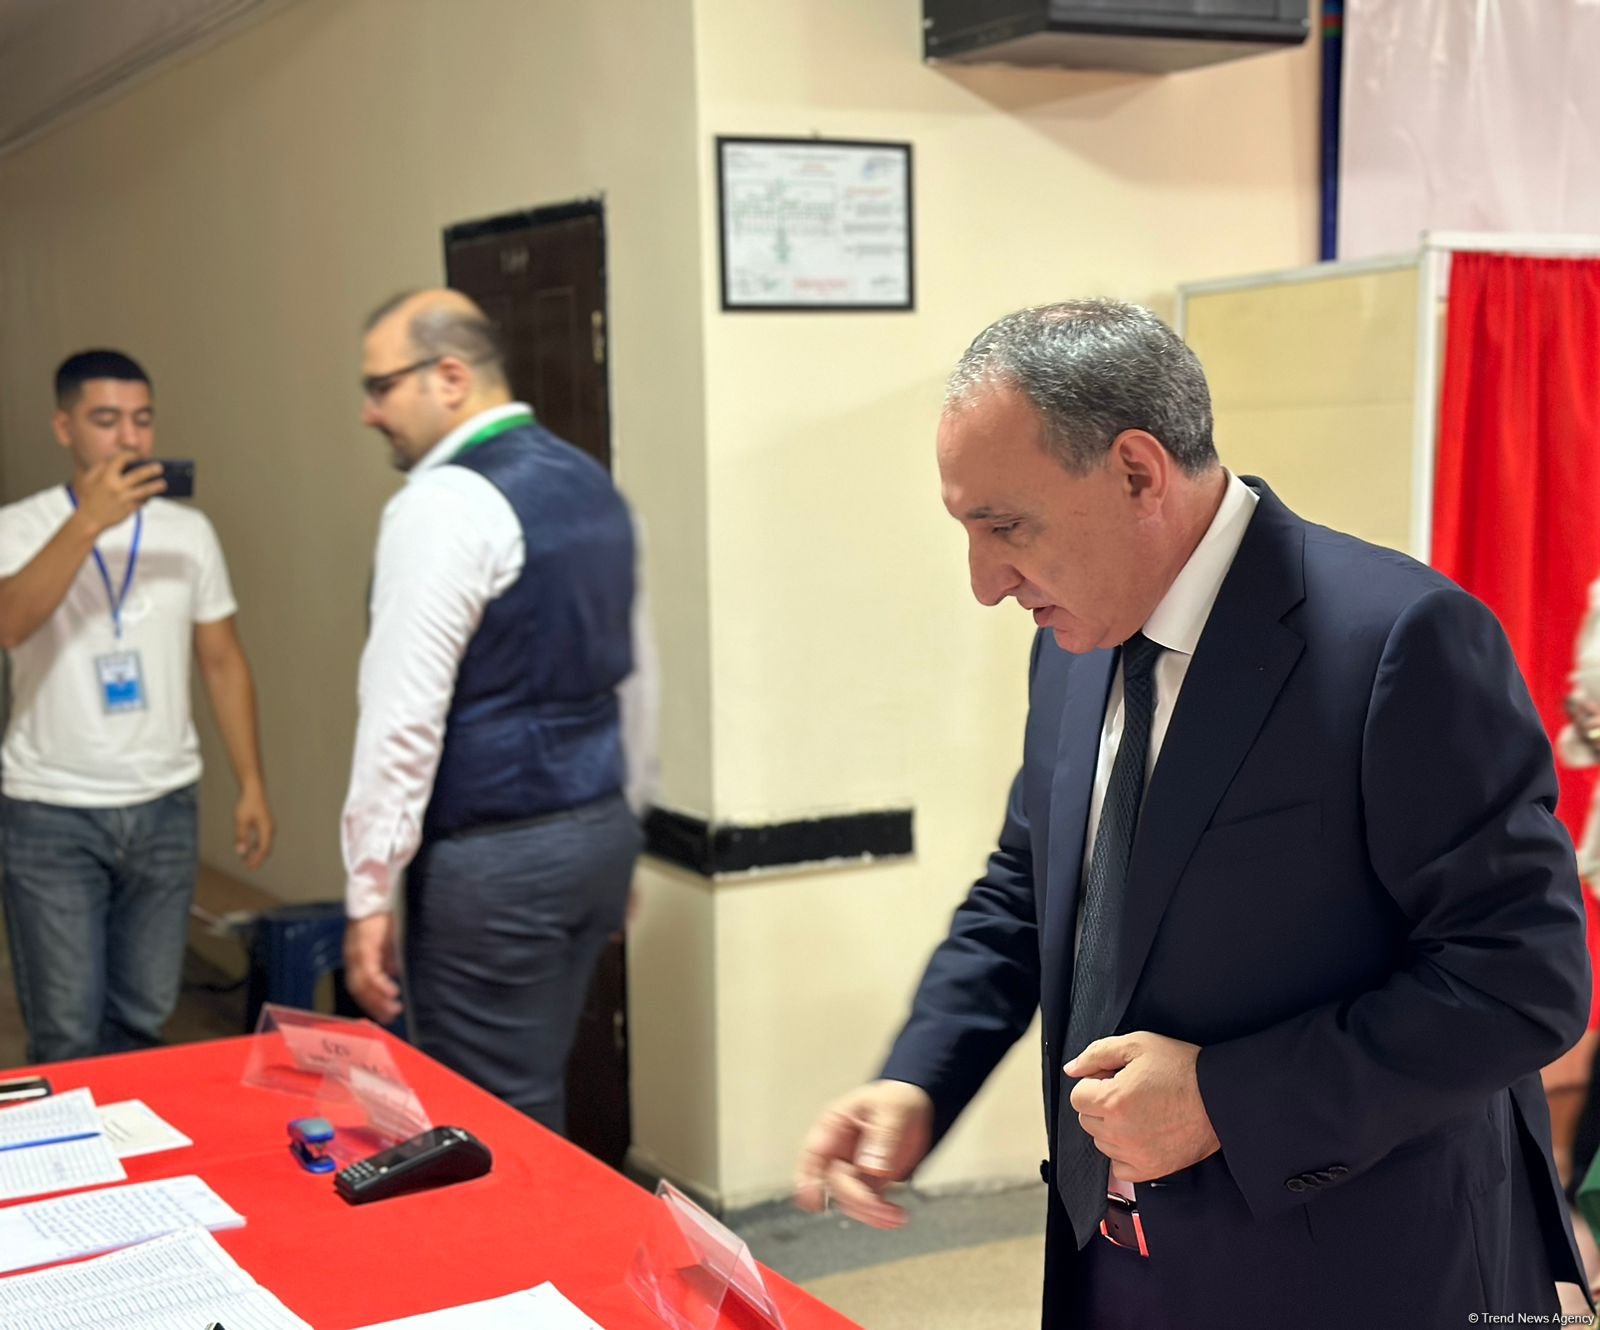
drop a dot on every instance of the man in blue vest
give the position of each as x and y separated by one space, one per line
489 762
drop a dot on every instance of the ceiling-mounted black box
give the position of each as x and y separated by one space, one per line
1147 36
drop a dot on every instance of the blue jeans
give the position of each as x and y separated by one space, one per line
503 929
97 910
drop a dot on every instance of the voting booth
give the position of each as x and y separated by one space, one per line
1325 379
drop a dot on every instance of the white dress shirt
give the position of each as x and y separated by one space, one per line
1175 624
448 544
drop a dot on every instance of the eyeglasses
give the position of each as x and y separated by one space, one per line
378 386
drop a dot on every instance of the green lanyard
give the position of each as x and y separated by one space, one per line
516 420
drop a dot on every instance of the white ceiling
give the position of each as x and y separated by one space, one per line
58 57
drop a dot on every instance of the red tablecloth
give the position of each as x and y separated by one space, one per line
546 1211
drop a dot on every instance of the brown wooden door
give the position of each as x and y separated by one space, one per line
541 277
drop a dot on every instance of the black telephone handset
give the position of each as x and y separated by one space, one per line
438 1156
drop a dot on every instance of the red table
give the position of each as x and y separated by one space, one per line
546 1211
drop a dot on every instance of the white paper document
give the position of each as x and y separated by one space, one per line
37 1170
42 1232
133 1129
54 1118
541 1308
54 1144
184 1281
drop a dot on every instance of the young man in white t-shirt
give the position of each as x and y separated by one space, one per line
105 591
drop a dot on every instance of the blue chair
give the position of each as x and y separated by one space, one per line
292 948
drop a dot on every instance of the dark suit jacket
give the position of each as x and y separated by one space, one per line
1348 886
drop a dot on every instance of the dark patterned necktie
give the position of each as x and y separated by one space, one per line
1081 1170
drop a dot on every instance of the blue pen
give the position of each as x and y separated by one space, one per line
53 1140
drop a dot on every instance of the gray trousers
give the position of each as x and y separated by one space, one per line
503 930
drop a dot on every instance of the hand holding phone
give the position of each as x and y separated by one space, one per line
178 473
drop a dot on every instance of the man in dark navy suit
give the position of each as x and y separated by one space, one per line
1280 869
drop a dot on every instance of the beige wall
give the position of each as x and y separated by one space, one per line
1314 387
852 668
231 222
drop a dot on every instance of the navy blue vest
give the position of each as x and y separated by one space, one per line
533 725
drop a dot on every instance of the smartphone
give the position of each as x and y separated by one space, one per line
179 475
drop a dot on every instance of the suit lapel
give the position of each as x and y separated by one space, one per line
1077 751
1243 658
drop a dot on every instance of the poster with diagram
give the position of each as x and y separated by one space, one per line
815 224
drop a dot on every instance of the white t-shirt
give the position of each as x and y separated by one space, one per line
62 745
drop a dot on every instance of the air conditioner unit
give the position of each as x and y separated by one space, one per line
1147 36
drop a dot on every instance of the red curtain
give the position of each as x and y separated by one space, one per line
1516 499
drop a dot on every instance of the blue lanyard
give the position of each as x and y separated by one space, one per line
117 598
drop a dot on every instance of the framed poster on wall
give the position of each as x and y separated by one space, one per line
815 224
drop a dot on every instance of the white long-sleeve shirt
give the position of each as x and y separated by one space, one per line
448 544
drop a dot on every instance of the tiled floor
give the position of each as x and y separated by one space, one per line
807 1247
990 1286
964 1262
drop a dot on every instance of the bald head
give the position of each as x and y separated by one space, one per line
430 362
442 322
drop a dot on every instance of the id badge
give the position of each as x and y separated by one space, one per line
121 682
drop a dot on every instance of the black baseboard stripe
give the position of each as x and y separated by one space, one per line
713 848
